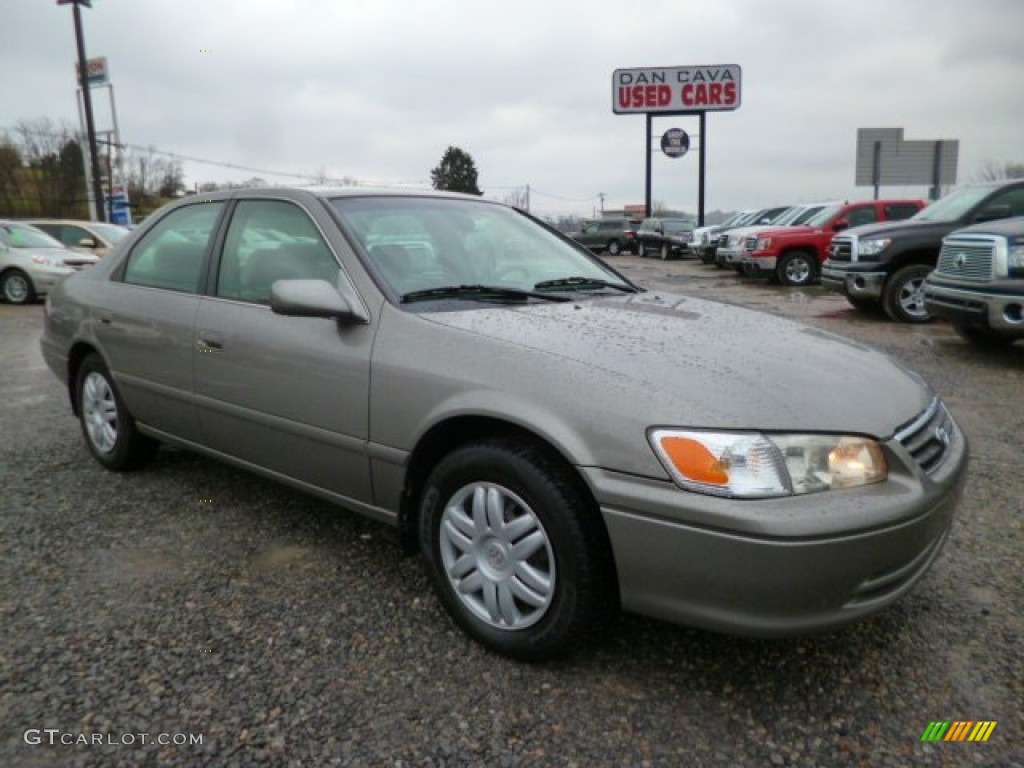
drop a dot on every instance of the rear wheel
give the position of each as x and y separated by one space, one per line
108 427
514 549
16 287
903 295
797 268
613 247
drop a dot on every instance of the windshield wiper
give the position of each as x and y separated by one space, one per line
477 292
583 283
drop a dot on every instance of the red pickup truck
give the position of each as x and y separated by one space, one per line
793 255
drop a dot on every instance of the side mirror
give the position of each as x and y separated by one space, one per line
311 298
86 242
993 212
840 224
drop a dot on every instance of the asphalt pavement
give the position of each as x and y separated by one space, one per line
191 614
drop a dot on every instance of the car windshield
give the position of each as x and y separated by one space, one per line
824 216
954 205
789 216
21 236
419 244
112 232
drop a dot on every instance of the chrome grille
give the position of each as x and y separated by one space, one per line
967 258
842 249
928 436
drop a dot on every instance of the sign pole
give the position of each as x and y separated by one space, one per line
700 169
97 187
647 183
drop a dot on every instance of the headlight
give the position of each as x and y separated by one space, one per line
1015 259
872 247
47 260
754 465
763 244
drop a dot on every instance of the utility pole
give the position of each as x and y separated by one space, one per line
83 76
601 197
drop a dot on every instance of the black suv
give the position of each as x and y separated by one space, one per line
612 235
887 263
666 237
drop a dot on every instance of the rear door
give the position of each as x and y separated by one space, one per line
146 327
288 394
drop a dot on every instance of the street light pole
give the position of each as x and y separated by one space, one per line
90 125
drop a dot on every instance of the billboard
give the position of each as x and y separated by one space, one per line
676 89
885 158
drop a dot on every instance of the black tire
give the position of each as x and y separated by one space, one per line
641 250
16 287
868 306
982 338
107 426
903 295
797 268
665 252
614 249
552 599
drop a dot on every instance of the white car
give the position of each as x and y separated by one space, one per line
31 262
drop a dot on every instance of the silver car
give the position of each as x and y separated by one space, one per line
556 442
31 262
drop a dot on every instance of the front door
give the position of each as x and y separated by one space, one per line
288 394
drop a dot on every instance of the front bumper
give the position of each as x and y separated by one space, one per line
782 566
976 308
856 281
759 263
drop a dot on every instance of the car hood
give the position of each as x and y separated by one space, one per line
675 360
799 231
906 227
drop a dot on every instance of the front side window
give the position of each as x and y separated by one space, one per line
900 211
270 240
860 216
170 256
415 244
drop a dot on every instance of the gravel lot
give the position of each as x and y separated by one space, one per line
192 599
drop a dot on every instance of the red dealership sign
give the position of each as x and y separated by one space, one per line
676 89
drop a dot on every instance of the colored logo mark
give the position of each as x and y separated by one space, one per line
959 730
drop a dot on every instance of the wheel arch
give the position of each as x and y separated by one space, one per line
451 433
78 352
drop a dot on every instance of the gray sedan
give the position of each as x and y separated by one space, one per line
556 442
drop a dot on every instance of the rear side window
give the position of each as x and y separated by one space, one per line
170 256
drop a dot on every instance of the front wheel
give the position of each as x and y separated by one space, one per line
903 296
641 250
982 337
16 287
514 549
797 268
666 252
108 427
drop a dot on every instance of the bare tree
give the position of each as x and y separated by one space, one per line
53 175
992 171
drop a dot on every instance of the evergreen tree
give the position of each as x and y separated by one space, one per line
456 173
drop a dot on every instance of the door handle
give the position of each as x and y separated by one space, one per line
209 342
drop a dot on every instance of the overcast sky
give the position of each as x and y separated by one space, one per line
377 89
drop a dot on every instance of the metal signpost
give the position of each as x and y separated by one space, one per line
668 91
83 70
